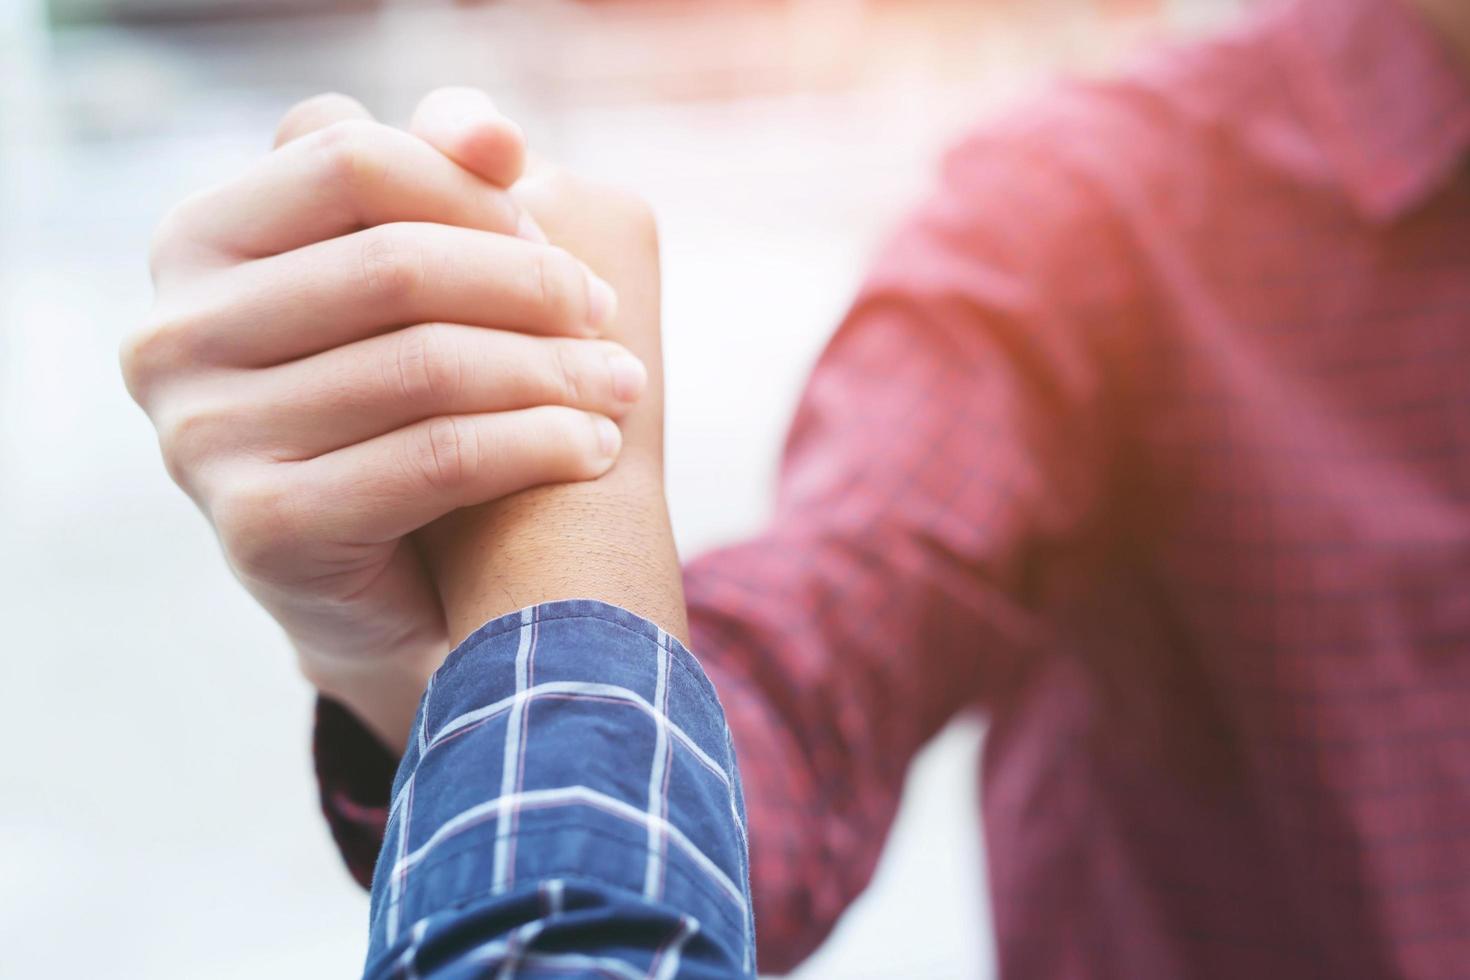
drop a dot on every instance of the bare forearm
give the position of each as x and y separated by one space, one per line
606 540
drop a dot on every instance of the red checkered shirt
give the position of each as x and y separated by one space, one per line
1149 436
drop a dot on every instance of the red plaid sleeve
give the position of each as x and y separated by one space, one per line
949 440
354 773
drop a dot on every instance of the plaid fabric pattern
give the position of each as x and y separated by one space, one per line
569 803
1148 435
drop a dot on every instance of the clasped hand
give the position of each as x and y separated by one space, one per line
369 330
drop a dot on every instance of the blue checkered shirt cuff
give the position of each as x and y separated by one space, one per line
568 804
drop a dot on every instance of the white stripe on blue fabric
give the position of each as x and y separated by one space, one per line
424 716
517 948
510 774
665 966
573 689
591 689
407 964
653 872
573 796
492 953
553 894
397 882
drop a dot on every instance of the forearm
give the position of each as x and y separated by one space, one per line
606 540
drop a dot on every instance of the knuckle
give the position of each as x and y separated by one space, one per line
505 211
427 366
344 154
393 267
446 454
573 435
186 438
558 286
164 244
133 356
324 105
256 524
174 242
163 344
300 111
559 429
568 381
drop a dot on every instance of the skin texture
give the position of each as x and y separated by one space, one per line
607 539
331 367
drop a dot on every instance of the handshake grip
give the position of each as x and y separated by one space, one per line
607 539
373 328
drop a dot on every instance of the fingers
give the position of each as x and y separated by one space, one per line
463 124
318 112
331 293
346 176
350 394
392 485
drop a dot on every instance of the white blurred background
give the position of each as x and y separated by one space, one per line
157 813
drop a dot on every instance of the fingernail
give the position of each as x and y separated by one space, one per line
609 437
527 228
628 376
602 302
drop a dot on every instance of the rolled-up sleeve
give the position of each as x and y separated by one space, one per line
569 802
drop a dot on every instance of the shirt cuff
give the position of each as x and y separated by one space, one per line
569 790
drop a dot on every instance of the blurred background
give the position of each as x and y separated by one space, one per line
157 815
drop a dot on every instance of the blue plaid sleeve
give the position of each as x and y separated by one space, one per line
568 804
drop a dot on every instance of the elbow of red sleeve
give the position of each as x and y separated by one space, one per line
804 881
787 934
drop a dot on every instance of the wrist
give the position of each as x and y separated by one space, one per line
607 539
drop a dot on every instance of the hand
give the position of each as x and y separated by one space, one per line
347 343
